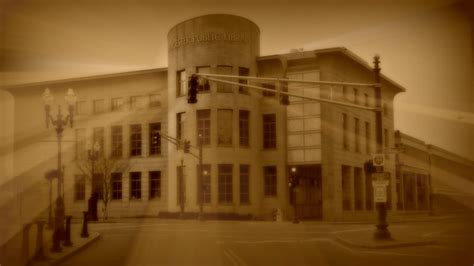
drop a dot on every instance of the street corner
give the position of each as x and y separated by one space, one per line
78 245
368 241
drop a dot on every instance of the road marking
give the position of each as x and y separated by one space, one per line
234 258
352 230
433 233
400 254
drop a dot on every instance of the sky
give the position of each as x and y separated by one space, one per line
425 45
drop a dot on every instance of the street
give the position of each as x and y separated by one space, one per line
190 242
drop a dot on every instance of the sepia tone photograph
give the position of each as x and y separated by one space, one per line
236 132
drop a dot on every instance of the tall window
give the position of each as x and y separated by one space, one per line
99 106
135 140
155 140
369 192
117 139
224 127
181 185
205 70
135 185
181 83
270 181
345 144
98 185
80 143
80 108
366 99
155 184
117 104
155 100
358 188
206 184
204 126
225 183
244 128
268 86
269 131
180 119
356 135
116 179
356 96
98 136
344 91
367 137
243 71
224 70
79 187
346 187
244 184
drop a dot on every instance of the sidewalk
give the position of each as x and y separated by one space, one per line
78 243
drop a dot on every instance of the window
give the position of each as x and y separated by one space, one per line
155 100
181 83
137 102
224 70
98 137
244 184
268 86
180 118
80 108
98 185
367 137
225 183
356 135
269 131
358 188
117 140
270 181
205 70
135 185
181 186
80 143
99 106
366 99
346 187
224 127
79 187
117 104
204 126
345 144
116 179
369 192
344 92
155 139
244 128
155 184
356 96
206 184
243 71
135 140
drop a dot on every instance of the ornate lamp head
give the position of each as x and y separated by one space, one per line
71 99
47 100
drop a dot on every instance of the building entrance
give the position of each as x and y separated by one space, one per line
309 200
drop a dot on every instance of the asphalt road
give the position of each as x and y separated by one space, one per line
176 242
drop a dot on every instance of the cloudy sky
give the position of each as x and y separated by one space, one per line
425 45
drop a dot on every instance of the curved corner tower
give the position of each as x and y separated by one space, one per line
218 44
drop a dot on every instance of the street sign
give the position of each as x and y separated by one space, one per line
380 192
378 159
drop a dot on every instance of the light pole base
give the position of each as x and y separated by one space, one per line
382 233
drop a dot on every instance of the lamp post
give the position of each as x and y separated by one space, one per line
201 214
381 233
293 184
59 124
93 156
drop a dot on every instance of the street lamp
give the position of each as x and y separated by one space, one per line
93 156
293 183
59 124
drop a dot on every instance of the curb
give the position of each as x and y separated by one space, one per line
386 245
94 236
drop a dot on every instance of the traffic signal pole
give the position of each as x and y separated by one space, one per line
381 232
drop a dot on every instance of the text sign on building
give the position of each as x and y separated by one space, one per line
378 159
381 176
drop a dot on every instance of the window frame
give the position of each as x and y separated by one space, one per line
269 131
135 191
270 182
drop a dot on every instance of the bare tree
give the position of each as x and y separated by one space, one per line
102 169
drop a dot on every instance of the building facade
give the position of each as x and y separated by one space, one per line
249 140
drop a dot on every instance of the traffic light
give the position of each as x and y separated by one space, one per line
369 167
155 137
187 146
193 89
